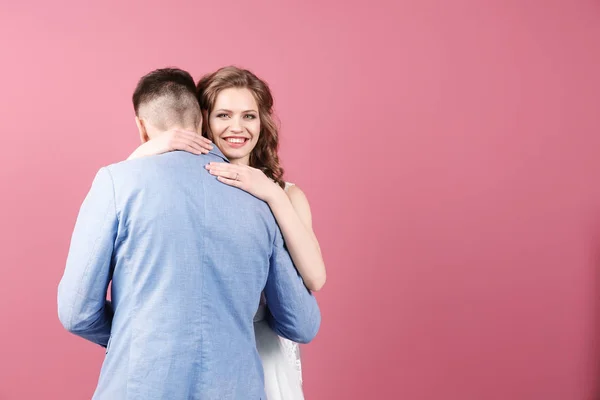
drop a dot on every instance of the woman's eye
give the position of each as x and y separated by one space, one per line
250 116
222 115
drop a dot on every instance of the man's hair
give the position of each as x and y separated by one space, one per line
167 97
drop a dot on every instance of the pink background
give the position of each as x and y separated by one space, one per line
449 150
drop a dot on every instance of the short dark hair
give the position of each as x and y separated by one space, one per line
178 90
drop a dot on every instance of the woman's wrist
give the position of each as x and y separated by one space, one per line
278 197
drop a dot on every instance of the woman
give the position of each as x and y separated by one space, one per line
238 118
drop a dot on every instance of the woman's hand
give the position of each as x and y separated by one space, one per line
249 179
172 140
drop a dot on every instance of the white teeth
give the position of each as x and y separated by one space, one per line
235 140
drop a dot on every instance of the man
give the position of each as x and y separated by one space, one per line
188 258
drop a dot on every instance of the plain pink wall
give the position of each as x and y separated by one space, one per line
449 150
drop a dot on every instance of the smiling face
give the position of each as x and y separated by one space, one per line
235 124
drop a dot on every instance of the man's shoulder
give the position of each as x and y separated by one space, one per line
126 165
150 171
156 161
130 173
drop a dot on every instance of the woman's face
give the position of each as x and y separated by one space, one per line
235 124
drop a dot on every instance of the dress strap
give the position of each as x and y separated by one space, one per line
288 185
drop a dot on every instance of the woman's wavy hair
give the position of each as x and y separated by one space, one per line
264 156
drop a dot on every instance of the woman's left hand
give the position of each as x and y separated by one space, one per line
252 180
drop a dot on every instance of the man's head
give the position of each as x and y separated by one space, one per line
166 99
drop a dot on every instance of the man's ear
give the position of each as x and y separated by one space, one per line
142 129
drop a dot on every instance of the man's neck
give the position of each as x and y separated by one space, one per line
157 133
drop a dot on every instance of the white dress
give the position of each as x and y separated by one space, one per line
280 358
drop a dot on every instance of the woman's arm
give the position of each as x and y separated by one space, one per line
293 215
172 140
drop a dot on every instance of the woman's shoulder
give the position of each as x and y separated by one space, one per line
295 194
299 202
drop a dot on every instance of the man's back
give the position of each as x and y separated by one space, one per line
190 260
